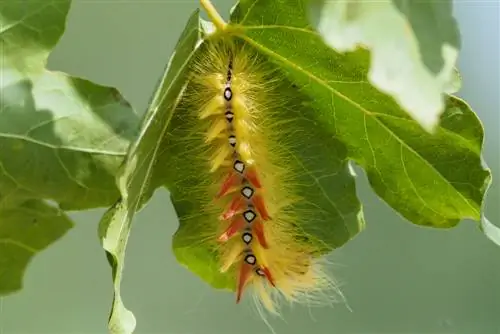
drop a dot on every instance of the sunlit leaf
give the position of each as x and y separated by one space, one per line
414 47
61 138
433 180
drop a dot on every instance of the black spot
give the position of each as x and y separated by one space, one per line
250 259
229 116
239 166
228 94
249 216
247 237
260 272
232 141
247 192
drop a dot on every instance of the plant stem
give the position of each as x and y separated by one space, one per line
214 16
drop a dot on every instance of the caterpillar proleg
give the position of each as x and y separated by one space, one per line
247 194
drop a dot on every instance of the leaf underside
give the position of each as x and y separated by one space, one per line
413 45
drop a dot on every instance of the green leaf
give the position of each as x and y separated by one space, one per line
75 132
434 180
414 47
114 236
136 180
29 30
26 230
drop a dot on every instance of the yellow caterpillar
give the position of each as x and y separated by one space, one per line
242 198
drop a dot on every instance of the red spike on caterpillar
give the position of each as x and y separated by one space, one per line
265 272
245 272
236 226
252 178
230 181
258 229
236 205
261 207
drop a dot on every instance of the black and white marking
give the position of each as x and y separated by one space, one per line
239 166
247 237
250 259
232 141
249 216
229 116
228 94
247 192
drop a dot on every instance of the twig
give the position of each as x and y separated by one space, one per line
214 16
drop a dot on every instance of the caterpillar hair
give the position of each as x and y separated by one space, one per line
241 203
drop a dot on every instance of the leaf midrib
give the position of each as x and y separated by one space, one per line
348 100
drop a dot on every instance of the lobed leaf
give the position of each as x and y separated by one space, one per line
433 180
414 48
61 138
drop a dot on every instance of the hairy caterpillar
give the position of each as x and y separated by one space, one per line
249 194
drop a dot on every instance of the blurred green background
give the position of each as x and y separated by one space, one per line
397 278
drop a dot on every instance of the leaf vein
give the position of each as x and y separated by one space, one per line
62 147
403 164
357 106
9 241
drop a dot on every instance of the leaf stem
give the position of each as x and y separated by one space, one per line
214 16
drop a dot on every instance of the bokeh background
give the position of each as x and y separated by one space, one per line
397 278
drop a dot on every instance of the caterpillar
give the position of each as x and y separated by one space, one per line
245 191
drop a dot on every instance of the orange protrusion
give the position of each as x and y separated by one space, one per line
261 207
236 205
251 176
230 181
258 229
235 226
245 271
268 275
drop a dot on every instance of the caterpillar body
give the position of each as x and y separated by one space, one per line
246 197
